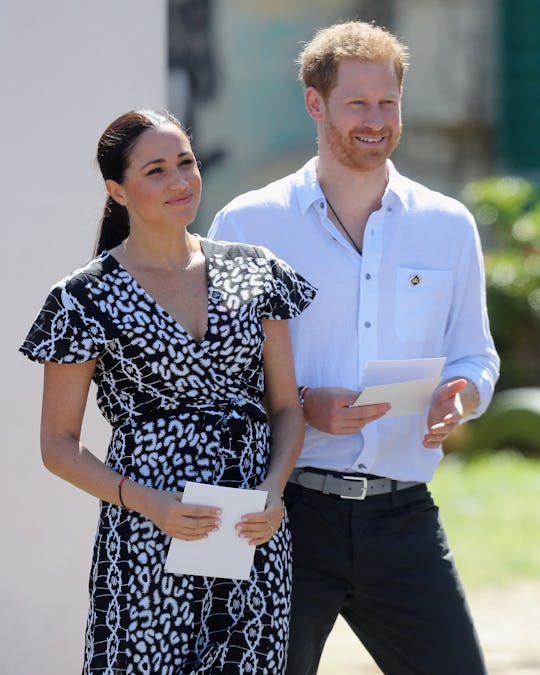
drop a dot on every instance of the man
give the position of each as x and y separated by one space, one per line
400 276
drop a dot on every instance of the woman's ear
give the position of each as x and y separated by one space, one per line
314 103
116 191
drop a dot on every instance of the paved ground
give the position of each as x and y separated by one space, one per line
507 620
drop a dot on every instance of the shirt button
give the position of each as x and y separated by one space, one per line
322 205
368 276
367 324
388 208
361 466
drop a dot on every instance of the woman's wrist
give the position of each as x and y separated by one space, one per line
273 486
120 492
135 497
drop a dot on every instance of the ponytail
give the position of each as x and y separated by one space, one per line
114 148
114 226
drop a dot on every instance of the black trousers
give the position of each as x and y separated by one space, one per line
385 566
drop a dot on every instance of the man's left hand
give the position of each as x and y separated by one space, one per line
445 412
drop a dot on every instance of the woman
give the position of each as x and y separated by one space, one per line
174 329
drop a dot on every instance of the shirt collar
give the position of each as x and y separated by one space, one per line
397 186
309 190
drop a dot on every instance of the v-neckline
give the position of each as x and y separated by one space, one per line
162 309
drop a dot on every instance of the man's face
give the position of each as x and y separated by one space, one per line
361 120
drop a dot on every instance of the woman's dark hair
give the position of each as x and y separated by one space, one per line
113 152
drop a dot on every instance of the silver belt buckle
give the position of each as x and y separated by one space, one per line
364 482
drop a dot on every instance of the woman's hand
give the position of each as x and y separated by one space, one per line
260 527
178 520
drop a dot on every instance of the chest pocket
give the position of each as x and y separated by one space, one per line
423 300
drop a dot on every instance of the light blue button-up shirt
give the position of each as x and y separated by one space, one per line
417 291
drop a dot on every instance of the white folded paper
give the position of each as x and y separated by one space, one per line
223 553
407 384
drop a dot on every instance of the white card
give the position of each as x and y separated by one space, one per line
407 385
223 553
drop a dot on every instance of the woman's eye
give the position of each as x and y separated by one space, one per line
157 169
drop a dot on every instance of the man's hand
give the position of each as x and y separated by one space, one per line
445 412
328 409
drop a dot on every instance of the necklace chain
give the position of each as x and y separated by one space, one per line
343 226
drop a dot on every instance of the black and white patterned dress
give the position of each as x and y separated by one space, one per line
180 409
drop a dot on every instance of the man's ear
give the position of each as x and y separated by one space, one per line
116 191
314 103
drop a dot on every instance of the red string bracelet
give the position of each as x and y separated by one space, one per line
120 492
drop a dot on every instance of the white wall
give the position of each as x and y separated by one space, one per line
67 70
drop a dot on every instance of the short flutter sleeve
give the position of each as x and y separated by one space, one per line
287 292
65 330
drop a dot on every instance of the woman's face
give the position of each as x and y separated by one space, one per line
162 183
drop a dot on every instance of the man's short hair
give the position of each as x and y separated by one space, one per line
318 62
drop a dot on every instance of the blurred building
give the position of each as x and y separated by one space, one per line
469 103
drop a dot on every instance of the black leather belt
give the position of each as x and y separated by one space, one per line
347 486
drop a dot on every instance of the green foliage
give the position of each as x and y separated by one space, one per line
507 211
512 422
489 509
